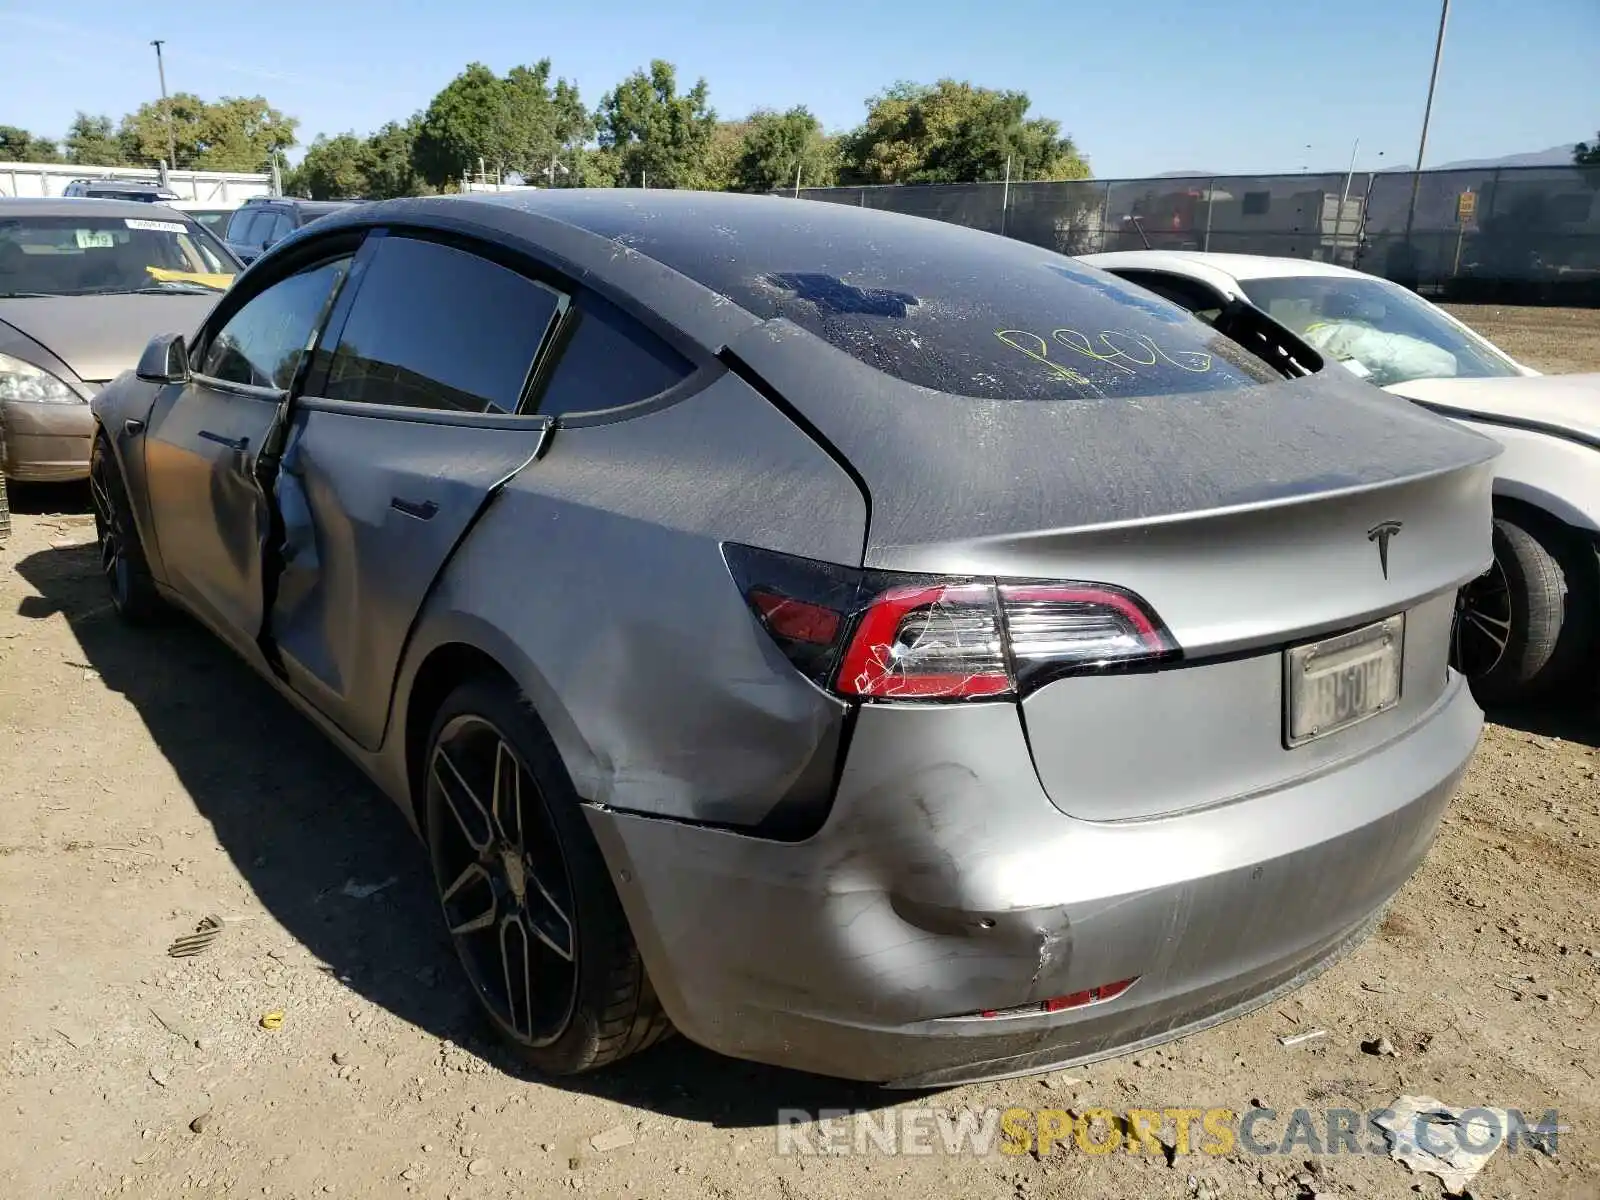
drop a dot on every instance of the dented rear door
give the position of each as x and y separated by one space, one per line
373 502
408 426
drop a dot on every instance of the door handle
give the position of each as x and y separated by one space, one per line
239 445
422 511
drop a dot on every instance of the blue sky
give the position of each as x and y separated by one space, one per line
1162 85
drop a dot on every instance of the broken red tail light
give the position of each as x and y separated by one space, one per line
930 641
1094 995
879 635
796 620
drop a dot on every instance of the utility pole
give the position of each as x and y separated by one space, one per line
1427 114
1005 196
166 107
1344 198
797 180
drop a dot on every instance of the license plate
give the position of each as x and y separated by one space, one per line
1333 684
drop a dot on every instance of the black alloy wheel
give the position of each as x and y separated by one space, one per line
526 895
122 559
506 893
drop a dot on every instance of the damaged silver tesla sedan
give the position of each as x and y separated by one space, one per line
860 643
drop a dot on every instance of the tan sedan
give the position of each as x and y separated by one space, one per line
84 284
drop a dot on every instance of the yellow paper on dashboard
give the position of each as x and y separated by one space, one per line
161 275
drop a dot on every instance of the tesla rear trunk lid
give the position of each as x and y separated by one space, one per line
1249 520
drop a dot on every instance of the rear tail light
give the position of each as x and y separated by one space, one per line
879 635
927 641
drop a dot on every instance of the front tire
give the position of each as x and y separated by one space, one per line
526 894
122 560
1528 624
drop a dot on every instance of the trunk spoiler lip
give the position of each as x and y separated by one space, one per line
1243 508
1280 445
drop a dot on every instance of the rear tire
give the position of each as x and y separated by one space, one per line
1541 597
122 560
526 894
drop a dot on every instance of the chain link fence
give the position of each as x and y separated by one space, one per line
1512 234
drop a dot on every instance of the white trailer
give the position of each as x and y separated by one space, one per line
40 180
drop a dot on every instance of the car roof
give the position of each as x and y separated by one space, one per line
1240 266
316 206
682 223
710 264
724 242
71 206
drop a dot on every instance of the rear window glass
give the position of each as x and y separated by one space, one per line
239 225
934 305
610 361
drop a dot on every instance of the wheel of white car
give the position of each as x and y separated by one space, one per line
1526 625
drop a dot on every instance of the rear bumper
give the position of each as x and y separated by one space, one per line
46 443
946 883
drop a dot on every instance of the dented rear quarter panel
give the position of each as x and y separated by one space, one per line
596 577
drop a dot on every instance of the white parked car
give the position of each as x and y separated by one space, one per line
1530 624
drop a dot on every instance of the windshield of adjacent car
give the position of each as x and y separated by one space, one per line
97 255
214 219
1377 329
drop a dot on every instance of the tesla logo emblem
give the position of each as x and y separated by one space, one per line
1381 535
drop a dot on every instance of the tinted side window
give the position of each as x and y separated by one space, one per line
610 360
282 226
436 327
261 343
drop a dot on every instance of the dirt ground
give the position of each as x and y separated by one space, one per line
147 781
1558 341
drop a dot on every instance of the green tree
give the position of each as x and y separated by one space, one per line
347 167
596 168
778 145
93 141
1585 155
391 163
235 133
953 132
334 168
719 168
516 125
462 125
18 145
657 136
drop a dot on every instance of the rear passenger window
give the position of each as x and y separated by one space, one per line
436 327
239 226
282 226
610 360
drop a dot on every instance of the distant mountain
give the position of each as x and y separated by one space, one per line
1555 156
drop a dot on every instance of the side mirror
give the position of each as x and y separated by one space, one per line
165 360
